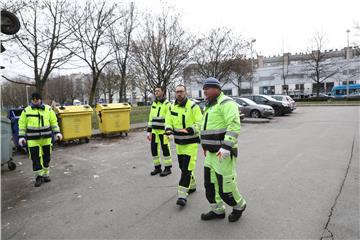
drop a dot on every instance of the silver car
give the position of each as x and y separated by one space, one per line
286 98
254 110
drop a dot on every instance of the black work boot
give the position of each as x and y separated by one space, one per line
38 181
157 170
236 214
212 215
191 190
46 179
166 172
181 202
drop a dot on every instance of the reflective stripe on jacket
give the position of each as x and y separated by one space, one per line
157 115
36 123
221 125
184 116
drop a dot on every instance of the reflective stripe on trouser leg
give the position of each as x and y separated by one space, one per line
155 149
211 190
185 178
46 157
165 147
34 155
227 180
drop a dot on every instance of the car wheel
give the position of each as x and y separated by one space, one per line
255 114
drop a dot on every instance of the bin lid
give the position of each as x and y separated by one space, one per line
110 106
73 109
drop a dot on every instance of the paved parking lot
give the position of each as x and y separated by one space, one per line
299 174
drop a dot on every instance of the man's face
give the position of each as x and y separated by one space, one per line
211 93
36 101
159 93
180 93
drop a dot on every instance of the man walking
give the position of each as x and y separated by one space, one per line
219 133
183 121
155 133
36 124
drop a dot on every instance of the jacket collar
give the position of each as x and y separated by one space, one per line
162 100
41 106
183 103
212 103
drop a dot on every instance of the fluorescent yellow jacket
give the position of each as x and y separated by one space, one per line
158 111
186 115
221 125
38 122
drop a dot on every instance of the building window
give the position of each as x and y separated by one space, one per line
227 92
299 87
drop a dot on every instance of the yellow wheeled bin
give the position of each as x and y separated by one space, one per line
75 122
113 117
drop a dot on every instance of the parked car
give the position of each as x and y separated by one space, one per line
322 96
253 110
279 107
286 98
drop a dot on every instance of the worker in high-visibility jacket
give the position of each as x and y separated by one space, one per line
155 133
183 121
218 136
37 123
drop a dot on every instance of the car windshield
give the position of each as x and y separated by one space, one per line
248 101
279 98
269 98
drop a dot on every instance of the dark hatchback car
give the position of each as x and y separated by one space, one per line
279 107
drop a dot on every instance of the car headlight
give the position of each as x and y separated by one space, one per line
285 104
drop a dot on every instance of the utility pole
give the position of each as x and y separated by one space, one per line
252 65
346 54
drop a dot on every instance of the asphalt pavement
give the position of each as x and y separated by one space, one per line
299 174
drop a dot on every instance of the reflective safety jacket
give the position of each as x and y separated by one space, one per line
184 115
220 125
38 122
157 115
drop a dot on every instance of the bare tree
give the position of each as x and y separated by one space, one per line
62 89
109 82
319 70
121 38
42 36
241 68
13 94
91 26
162 52
215 53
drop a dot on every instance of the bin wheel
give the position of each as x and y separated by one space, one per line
87 140
126 134
11 166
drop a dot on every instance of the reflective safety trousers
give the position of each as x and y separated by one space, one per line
220 180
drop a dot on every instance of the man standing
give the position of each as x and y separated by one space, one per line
155 133
183 121
36 124
219 133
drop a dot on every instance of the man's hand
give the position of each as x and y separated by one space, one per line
58 137
148 136
183 131
22 142
222 153
204 152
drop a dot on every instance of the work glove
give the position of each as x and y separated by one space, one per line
22 142
223 153
58 137
148 136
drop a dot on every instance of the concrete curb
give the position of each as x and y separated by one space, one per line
326 105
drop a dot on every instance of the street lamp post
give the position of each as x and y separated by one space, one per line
252 65
27 95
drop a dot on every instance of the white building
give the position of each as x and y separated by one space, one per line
268 77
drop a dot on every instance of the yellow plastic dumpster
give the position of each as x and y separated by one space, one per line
113 117
75 122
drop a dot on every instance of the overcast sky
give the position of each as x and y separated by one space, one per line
277 25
